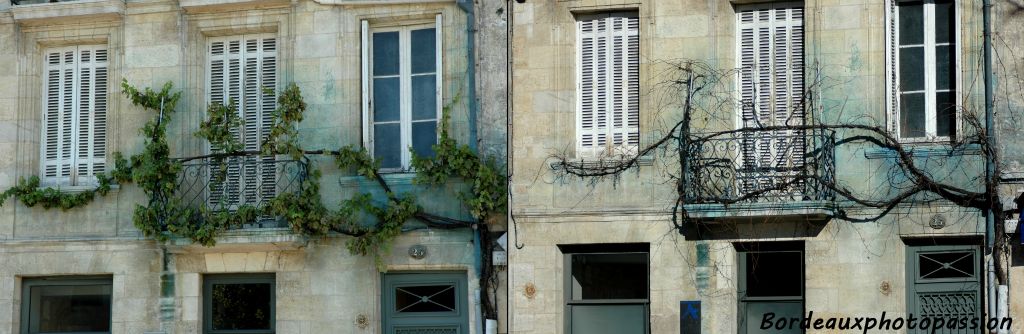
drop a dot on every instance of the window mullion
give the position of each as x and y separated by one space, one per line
405 95
929 69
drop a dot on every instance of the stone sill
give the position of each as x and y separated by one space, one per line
244 240
215 6
79 189
809 211
50 13
923 151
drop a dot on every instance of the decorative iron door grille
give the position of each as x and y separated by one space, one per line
944 282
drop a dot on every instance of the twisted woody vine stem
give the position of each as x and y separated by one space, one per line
164 216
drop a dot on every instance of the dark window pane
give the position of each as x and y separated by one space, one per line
911 69
62 309
946 265
386 142
774 274
945 123
944 21
241 306
385 53
755 312
609 276
911 23
386 100
608 319
429 298
424 136
424 97
424 50
945 69
912 115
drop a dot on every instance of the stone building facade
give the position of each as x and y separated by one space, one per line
594 82
93 258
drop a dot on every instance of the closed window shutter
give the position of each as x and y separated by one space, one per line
74 115
770 55
609 83
92 111
240 70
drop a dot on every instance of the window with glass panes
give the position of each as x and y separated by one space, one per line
925 75
607 289
401 91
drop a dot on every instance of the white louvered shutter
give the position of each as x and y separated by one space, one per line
241 67
770 55
608 83
74 115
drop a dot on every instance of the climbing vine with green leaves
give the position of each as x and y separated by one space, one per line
164 216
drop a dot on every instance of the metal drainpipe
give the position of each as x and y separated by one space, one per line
467 7
473 105
999 307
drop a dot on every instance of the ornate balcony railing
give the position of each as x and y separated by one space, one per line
32 2
759 165
227 183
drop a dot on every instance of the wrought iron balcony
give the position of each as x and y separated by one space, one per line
230 182
756 165
33 2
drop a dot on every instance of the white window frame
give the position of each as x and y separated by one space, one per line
609 149
405 82
892 72
73 180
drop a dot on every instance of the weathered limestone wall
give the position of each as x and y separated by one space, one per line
852 269
321 287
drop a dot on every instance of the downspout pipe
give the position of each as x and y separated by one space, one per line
1001 296
473 105
467 7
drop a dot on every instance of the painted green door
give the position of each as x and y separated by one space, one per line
944 282
425 303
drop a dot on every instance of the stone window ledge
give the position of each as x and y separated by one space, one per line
215 6
58 12
244 240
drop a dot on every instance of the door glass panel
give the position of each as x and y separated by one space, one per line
608 319
424 136
946 265
426 298
912 121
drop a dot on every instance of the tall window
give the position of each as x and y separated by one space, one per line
608 84
402 91
771 280
770 52
241 70
607 289
74 132
68 304
925 75
239 303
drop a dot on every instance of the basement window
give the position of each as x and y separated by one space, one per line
70 304
238 303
